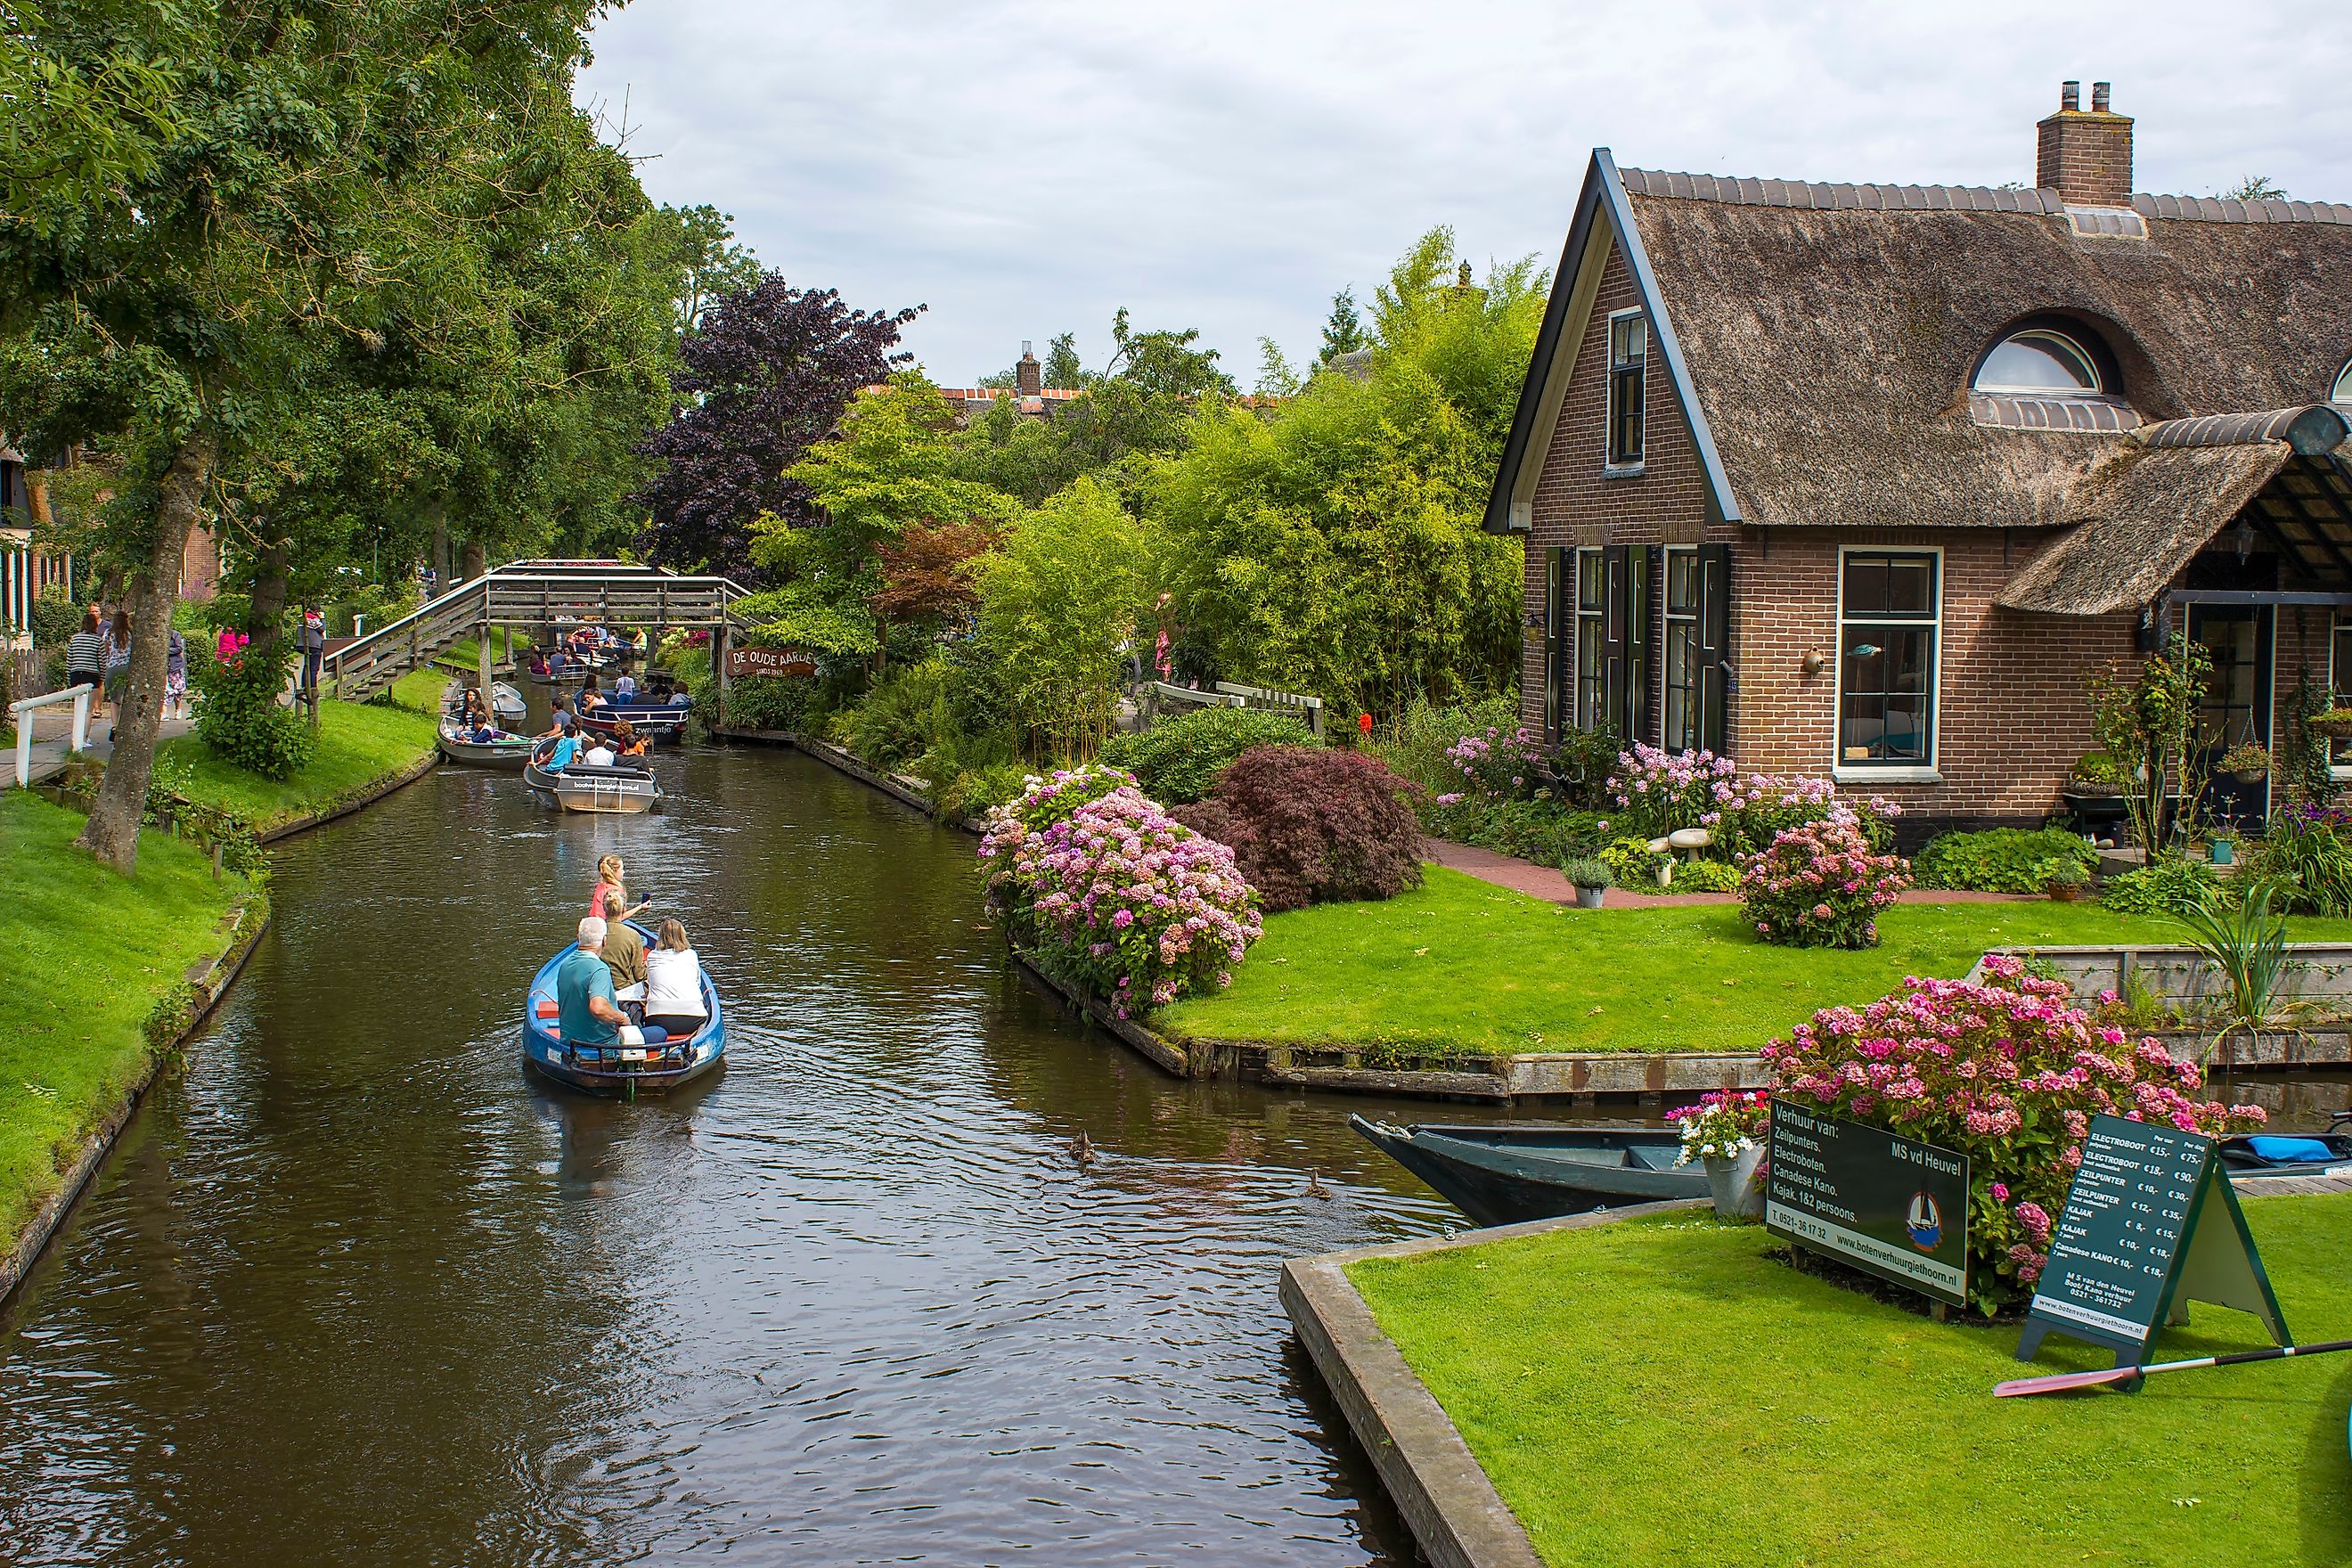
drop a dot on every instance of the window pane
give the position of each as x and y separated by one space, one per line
1629 341
1911 585
1682 582
1865 585
2038 361
1588 586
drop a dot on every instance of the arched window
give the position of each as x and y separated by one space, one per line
2040 362
2343 392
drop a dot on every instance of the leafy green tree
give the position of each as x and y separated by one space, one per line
2255 188
1058 603
1274 376
1343 332
1062 367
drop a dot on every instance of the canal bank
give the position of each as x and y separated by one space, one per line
857 1298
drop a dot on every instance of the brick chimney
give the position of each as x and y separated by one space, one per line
1029 376
2087 158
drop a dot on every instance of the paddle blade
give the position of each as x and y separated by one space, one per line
2061 1382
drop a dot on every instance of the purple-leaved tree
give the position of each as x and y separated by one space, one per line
765 374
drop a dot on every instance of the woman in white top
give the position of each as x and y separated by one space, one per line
600 755
674 982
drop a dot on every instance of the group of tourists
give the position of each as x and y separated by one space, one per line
99 655
615 990
594 749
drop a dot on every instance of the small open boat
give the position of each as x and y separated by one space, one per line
618 1069
2260 1156
506 703
659 722
1512 1171
578 787
511 752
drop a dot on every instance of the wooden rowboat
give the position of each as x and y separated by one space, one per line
618 1069
1512 1171
511 752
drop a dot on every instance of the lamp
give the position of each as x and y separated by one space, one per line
2241 540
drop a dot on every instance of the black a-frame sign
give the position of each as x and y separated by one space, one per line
2150 1225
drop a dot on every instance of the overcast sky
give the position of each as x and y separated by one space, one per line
1025 169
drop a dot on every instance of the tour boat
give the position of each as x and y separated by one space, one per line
2259 1157
578 787
617 1069
504 751
656 722
1508 1172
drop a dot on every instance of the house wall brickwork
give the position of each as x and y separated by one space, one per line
200 565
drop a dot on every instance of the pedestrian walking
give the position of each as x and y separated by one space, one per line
314 647
175 677
86 653
118 668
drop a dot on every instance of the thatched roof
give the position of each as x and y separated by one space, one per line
1820 339
2144 511
1831 349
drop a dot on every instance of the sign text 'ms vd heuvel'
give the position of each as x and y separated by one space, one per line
1885 1202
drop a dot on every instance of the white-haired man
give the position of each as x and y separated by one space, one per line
584 993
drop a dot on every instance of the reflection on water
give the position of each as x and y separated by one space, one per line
356 1289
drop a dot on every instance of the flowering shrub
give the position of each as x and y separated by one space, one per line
1725 1124
1114 892
2007 1072
1657 791
1494 765
1313 826
1821 885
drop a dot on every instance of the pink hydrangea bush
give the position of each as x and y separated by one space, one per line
1494 765
1657 792
2008 1072
1820 884
1116 894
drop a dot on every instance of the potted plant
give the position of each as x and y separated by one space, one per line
1589 876
2246 763
2065 881
1725 1131
2335 723
2222 844
2097 773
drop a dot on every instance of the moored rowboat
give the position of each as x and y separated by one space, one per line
1514 1170
511 752
617 1069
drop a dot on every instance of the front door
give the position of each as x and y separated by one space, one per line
2237 706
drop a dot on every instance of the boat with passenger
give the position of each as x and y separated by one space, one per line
659 1064
577 786
484 748
662 723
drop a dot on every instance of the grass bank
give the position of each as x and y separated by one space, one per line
1460 965
359 745
106 958
1661 1392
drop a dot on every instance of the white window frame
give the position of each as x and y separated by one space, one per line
2342 391
2336 621
1668 621
1929 771
1577 618
2080 350
1610 463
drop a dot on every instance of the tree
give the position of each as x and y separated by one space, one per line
1343 332
711 263
767 375
1274 376
927 573
1062 367
2255 188
183 266
1058 605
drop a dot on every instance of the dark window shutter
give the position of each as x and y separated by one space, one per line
1618 619
1556 589
1714 644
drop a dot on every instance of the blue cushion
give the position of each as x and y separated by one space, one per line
2291 1150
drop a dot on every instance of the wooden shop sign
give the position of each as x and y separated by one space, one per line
770 661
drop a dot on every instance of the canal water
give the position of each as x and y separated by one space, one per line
355 1290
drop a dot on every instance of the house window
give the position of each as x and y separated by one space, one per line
1591 641
2040 362
1888 611
2339 678
2343 392
1684 662
1629 354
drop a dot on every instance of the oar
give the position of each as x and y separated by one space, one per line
2068 1380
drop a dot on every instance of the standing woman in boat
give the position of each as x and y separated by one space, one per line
609 874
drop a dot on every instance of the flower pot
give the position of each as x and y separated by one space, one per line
2250 775
2334 729
2065 892
1738 1195
2223 851
1589 897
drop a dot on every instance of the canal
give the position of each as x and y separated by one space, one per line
354 1289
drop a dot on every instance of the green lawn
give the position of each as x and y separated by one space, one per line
358 743
100 953
1462 965
1659 1392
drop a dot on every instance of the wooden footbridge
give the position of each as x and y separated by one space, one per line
544 594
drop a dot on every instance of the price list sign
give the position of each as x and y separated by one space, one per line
2150 1222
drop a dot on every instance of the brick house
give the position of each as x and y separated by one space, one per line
1866 480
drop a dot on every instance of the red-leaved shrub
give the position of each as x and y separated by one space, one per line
1313 826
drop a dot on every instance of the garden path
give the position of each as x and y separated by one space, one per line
1545 882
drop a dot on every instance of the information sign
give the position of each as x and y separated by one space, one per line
772 661
2150 1224
1885 1202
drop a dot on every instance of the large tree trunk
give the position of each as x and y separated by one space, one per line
112 834
265 617
440 557
477 561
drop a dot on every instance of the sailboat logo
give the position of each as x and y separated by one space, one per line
1925 1222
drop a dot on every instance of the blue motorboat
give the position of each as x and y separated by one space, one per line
652 1068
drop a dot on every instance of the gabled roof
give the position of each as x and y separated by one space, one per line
1820 339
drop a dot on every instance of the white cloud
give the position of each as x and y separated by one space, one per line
1026 169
